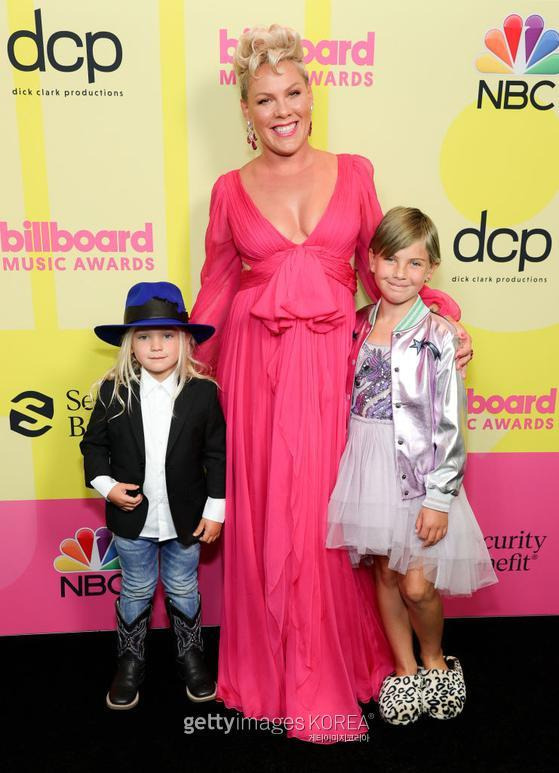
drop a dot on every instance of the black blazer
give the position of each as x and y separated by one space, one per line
194 463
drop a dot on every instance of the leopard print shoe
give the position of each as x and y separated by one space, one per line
400 699
443 692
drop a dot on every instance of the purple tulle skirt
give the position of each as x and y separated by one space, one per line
368 516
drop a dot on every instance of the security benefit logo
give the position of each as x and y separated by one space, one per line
519 47
31 413
83 558
515 552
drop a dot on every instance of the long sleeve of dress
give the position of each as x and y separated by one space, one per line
371 215
219 278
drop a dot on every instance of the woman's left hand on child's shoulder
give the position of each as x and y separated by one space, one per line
464 353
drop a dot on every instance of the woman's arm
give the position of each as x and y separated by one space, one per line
371 215
219 278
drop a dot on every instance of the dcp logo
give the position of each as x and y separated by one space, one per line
31 408
504 245
54 57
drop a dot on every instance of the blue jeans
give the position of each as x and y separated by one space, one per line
178 567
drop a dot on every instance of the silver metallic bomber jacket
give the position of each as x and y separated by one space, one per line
428 403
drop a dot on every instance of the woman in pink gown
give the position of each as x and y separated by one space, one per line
300 636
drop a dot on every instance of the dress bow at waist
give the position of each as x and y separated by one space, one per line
298 288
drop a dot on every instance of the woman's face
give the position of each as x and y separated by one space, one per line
279 106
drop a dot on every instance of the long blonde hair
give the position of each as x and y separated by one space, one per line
125 373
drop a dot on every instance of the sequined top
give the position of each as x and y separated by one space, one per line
372 384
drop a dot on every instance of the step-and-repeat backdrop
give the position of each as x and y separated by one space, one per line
116 118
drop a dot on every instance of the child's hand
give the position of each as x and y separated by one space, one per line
211 530
431 526
118 496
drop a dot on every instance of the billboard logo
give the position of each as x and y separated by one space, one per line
352 60
522 48
23 419
523 404
512 412
339 52
88 551
44 236
37 38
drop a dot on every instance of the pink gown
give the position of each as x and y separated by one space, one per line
301 637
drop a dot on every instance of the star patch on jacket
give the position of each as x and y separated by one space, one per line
419 345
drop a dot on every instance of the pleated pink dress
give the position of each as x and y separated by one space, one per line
301 638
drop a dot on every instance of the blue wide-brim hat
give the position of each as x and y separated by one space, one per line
153 304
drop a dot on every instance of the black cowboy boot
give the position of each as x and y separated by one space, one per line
131 661
192 667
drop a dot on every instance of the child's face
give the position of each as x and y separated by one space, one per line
400 277
157 350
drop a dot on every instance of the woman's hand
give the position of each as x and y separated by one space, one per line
118 496
431 526
464 352
210 530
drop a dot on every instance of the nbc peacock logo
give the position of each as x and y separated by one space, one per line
521 48
88 551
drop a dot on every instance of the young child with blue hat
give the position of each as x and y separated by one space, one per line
155 450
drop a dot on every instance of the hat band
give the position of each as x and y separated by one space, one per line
156 308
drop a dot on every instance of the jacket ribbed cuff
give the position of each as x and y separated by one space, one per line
436 500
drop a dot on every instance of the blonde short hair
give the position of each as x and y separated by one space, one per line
266 45
401 227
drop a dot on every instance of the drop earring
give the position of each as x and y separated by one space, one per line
310 125
251 136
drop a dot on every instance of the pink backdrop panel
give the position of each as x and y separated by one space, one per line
514 498
58 572
79 595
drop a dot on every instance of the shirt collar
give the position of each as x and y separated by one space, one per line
148 383
414 316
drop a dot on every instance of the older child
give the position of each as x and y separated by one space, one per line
155 449
398 496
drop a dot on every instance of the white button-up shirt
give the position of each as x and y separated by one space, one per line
157 398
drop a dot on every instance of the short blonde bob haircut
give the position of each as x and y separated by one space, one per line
266 45
401 227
